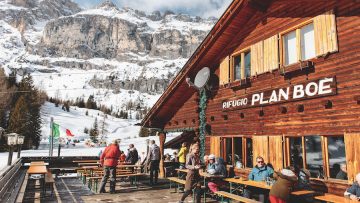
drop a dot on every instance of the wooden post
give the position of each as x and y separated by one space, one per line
162 138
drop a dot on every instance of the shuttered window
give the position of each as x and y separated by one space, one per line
224 71
325 33
299 45
241 65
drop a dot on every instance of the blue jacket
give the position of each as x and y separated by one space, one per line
210 166
260 174
353 190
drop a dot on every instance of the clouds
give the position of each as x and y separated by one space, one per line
203 8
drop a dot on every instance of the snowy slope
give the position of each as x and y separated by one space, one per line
76 121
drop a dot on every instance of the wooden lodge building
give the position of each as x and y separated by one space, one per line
284 85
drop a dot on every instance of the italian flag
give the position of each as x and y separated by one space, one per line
59 131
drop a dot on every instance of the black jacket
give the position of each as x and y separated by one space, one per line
132 156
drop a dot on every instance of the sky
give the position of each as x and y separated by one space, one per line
202 8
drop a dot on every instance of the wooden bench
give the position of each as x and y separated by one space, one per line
228 195
97 178
327 197
177 181
49 181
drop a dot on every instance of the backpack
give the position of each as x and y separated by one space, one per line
156 151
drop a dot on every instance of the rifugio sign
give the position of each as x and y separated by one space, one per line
312 89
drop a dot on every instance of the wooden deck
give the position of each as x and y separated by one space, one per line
71 189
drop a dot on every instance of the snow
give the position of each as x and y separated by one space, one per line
5 6
11 45
72 83
76 121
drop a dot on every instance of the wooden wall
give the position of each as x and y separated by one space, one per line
342 118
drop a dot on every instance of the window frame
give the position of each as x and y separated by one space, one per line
240 53
297 30
324 150
243 148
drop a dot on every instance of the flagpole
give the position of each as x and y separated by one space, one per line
51 137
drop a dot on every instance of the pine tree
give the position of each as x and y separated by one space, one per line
18 117
144 132
94 132
103 126
32 131
90 103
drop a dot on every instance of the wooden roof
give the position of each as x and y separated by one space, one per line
209 52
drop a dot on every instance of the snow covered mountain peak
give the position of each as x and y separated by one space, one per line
124 57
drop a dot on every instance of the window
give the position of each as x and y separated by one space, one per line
238 152
228 153
237 67
307 42
314 159
309 149
299 44
247 58
290 48
337 157
249 153
242 65
296 151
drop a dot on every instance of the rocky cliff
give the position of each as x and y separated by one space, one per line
116 54
109 32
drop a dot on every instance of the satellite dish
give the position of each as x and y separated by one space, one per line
202 77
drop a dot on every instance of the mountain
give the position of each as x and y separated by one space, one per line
124 57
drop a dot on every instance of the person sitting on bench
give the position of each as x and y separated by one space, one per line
259 173
354 191
218 169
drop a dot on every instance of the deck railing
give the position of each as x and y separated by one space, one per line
10 179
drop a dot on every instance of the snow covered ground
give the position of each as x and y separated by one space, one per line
76 120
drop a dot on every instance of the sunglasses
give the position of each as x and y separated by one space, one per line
260 162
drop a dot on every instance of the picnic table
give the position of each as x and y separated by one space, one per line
89 164
334 198
38 170
36 163
205 176
262 185
85 161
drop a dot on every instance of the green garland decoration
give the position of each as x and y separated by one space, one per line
202 125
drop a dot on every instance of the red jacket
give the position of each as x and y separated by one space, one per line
110 156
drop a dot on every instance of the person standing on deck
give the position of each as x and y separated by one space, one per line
154 160
284 185
109 160
193 176
132 156
182 155
259 173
